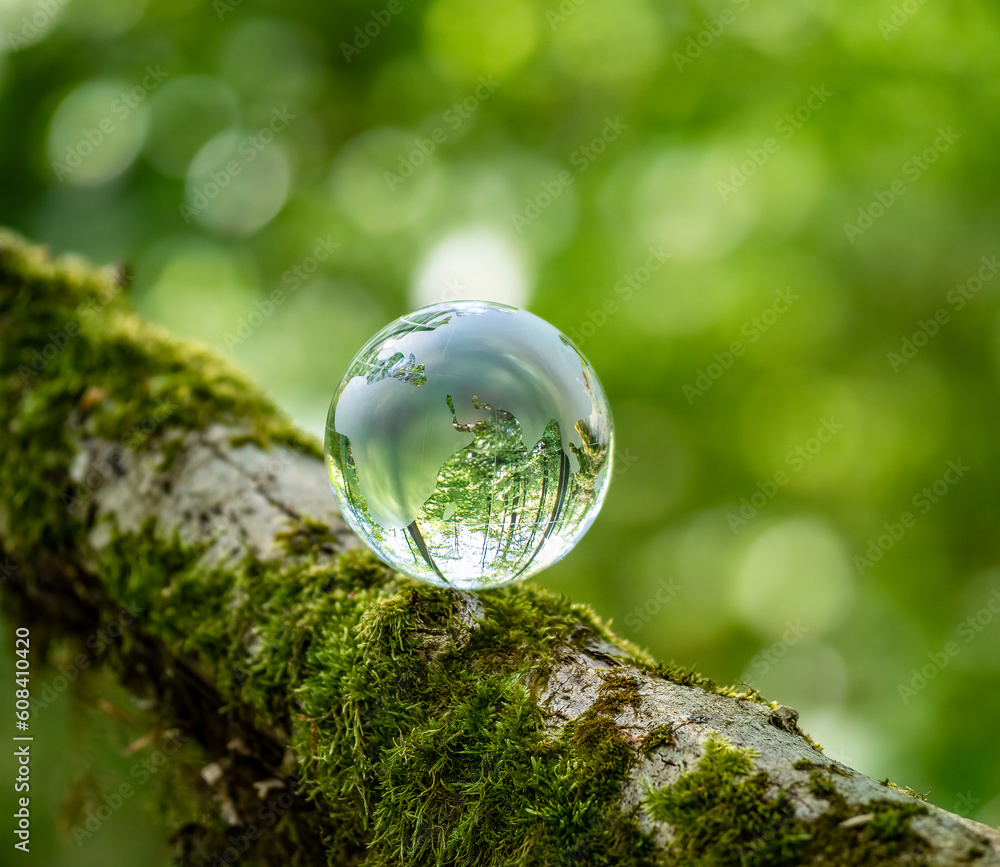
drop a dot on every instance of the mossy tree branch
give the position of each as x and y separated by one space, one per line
344 714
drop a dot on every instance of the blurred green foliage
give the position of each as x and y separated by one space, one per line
816 184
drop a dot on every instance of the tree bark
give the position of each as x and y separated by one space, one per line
341 713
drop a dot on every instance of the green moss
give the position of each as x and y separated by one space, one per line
661 736
418 738
308 536
417 733
721 814
724 813
820 786
906 790
599 739
75 363
806 765
618 691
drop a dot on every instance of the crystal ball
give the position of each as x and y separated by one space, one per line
470 444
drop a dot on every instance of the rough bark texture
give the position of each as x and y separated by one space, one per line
342 713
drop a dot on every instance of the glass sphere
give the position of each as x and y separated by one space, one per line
470 444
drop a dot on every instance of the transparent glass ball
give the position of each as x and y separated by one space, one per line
470 444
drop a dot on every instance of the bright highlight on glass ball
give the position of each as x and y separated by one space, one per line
470 444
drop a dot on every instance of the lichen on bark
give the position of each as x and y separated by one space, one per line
401 723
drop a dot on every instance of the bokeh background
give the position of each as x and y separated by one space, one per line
815 182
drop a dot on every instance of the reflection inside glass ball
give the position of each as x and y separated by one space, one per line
469 444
